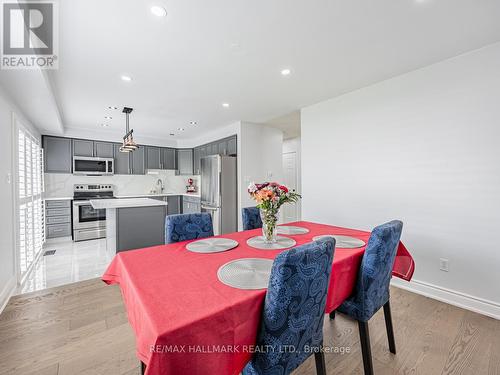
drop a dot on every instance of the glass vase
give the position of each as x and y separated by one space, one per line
269 222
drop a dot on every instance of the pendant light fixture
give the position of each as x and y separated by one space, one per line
128 144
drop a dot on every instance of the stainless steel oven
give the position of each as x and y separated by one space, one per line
89 223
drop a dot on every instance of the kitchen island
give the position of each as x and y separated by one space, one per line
133 223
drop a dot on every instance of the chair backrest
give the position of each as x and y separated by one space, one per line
372 288
251 218
188 227
294 308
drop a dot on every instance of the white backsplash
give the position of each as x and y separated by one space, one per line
59 185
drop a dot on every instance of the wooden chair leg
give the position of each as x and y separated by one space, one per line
143 368
319 357
364 336
332 315
388 325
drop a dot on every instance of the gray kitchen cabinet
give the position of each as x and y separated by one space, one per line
196 161
57 154
168 158
222 147
174 205
139 227
214 148
191 205
57 218
232 146
185 161
103 149
138 161
153 158
122 160
83 147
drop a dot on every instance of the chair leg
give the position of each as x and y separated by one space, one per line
319 357
364 336
332 315
388 325
143 368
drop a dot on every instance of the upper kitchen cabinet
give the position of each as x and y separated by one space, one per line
57 154
83 147
153 157
122 160
232 146
139 161
103 149
169 158
185 161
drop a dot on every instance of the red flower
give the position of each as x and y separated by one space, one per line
284 188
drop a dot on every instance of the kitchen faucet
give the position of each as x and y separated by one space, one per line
160 183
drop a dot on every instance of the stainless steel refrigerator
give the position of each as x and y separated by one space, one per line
219 186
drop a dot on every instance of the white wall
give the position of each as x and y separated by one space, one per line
7 180
424 148
260 159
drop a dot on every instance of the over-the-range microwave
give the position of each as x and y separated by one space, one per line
92 166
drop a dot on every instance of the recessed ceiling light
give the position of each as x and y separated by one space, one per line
126 78
285 72
193 122
181 129
112 107
108 117
225 105
158 11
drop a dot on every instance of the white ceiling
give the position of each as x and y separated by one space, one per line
205 53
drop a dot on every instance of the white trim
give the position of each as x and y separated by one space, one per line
452 297
7 292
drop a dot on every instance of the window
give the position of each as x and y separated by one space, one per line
31 233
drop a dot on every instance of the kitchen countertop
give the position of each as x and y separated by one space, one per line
126 203
196 195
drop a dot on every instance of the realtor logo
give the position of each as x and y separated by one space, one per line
29 35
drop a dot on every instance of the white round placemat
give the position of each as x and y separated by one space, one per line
281 243
343 242
291 230
211 245
247 273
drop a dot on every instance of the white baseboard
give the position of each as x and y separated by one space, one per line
7 292
452 297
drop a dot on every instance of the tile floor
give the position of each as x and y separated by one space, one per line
72 262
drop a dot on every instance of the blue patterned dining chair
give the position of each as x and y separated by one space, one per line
372 286
188 227
251 218
292 319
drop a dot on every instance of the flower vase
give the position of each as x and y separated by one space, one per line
269 221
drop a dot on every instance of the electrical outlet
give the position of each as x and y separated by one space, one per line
444 264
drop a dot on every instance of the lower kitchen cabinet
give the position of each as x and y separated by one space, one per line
57 218
174 205
191 205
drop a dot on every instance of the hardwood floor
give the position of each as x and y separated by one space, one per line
82 328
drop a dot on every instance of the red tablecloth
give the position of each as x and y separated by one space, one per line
185 320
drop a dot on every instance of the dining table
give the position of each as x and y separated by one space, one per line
186 321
